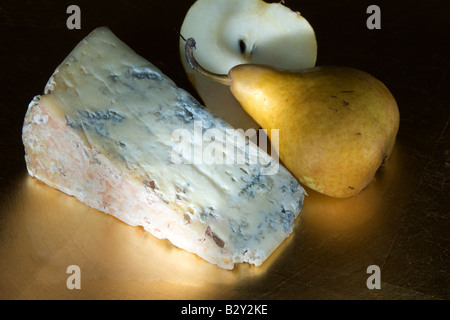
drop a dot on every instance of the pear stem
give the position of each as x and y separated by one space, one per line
189 52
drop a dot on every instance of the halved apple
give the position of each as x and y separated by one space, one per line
232 32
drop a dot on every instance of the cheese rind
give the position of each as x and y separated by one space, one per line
103 132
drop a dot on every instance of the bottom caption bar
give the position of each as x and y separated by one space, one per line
225 309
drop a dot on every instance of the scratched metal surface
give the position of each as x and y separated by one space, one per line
400 222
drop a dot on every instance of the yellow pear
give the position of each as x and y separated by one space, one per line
337 125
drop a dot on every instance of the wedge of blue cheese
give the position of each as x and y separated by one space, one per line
104 133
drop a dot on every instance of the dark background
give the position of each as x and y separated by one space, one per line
410 54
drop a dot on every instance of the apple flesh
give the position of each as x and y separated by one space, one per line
233 32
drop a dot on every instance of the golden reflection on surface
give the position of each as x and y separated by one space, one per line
328 214
48 231
43 231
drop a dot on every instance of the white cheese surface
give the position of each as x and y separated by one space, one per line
126 108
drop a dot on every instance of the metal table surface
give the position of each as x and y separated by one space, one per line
399 223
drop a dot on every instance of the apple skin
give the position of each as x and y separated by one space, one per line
233 32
